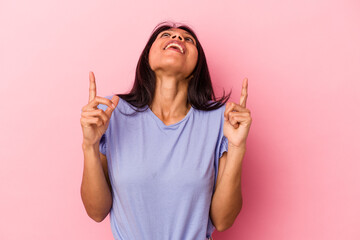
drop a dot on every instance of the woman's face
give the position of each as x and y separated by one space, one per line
174 52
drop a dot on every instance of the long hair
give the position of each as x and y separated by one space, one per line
200 91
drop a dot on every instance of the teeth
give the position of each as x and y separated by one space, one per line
175 45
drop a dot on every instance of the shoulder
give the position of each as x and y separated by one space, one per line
215 112
210 118
123 106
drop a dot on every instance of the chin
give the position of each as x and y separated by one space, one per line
169 66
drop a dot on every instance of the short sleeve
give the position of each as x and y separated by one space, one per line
102 144
223 146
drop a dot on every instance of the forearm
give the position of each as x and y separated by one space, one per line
95 191
227 200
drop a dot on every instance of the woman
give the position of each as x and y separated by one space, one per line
165 159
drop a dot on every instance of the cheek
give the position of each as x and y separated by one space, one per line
194 59
153 57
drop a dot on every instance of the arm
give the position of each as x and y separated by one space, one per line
227 200
95 186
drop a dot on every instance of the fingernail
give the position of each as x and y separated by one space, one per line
113 105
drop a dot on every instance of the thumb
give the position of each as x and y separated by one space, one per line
115 100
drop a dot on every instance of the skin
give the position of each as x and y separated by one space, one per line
227 199
95 185
172 70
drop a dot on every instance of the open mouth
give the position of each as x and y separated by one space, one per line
175 46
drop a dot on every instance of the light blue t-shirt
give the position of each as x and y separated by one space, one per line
162 177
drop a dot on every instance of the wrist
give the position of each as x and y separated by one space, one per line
90 146
241 147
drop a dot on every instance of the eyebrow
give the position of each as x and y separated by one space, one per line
186 32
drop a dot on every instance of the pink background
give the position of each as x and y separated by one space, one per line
302 59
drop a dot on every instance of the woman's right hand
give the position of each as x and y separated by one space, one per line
94 121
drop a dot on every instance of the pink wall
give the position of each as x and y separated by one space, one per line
302 59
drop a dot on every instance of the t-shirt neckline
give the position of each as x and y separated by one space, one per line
163 125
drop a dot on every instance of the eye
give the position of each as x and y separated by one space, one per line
165 34
189 39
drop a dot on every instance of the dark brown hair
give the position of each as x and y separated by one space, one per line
200 91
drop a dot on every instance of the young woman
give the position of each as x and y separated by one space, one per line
165 159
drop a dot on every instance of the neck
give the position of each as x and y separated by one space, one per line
170 99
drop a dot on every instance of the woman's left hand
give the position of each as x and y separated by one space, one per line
237 120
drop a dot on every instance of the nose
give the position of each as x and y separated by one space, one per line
177 35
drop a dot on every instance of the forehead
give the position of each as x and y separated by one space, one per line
177 30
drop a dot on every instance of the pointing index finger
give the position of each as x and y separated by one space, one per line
92 88
244 93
